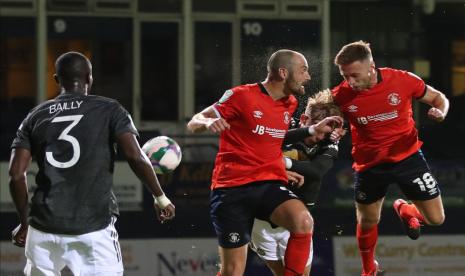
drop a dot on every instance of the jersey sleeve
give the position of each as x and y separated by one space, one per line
23 135
417 85
228 105
121 121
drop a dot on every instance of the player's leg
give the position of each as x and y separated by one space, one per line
294 216
432 210
232 218
370 188
269 243
94 253
368 217
43 254
280 206
419 185
276 267
233 260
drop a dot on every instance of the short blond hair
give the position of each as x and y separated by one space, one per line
321 105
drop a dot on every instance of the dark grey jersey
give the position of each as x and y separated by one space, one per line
73 138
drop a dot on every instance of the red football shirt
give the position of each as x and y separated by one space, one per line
383 129
251 149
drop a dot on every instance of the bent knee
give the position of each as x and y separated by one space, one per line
304 223
435 220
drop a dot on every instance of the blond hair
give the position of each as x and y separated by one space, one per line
321 105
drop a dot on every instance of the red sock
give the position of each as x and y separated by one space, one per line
296 255
366 245
408 211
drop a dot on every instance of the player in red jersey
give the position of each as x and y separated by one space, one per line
249 179
377 102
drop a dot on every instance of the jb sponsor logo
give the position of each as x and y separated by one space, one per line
273 132
364 120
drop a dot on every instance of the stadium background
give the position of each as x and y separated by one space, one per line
167 59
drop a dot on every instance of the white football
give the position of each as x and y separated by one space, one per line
164 154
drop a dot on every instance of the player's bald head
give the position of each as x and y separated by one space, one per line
283 58
72 67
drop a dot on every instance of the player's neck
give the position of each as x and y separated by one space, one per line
77 89
274 89
374 78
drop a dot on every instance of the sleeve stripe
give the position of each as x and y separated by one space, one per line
216 111
424 92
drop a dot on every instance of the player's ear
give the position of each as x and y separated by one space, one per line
55 77
89 79
283 73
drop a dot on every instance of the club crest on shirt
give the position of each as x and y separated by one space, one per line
394 98
227 94
287 117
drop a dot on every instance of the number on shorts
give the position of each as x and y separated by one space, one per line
64 136
427 182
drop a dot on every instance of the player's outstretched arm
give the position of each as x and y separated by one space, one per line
207 119
142 167
327 125
438 102
19 161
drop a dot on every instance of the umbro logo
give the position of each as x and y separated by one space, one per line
258 114
352 108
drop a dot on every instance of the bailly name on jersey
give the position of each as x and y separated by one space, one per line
64 106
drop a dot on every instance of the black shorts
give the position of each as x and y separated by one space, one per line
412 175
233 210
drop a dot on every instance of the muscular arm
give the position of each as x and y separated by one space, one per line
326 125
139 162
207 119
316 168
296 135
20 159
439 103
142 167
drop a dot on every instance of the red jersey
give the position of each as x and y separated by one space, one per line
251 149
381 122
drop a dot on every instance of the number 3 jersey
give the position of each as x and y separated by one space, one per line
250 150
382 126
73 138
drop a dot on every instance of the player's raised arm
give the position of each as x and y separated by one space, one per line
438 102
327 125
20 159
207 119
142 167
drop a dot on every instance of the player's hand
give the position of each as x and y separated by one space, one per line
217 125
337 134
19 234
436 114
163 215
328 124
295 179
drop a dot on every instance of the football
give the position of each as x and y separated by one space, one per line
164 154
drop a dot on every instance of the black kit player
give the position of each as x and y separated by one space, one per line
73 210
